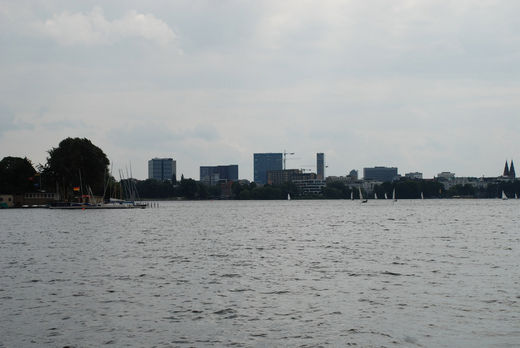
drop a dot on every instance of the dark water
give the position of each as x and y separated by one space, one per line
261 274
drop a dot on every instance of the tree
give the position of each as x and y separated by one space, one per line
16 175
78 162
188 188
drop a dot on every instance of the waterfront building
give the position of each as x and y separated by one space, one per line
212 175
445 176
382 174
263 163
278 177
162 169
310 187
320 166
353 175
414 176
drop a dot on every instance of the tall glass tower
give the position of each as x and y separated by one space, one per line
320 166
264 162
162 168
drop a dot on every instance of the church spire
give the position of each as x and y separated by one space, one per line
506 171
512 173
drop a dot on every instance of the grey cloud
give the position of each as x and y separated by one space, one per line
93 28
9 123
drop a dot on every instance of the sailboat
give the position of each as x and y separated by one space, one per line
386 196
422 195
361 197
288 196
375 195
393 196
504 197
351 195
516 197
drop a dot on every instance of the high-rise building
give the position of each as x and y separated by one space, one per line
264 162
383 174
212 175
162 169
320 165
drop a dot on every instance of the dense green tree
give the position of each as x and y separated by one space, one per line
337 190
494 190
188 188
77 161
152 188
17 175
410 189
267 192
244 194
461 190
202 191
214 191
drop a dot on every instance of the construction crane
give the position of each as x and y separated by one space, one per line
285 153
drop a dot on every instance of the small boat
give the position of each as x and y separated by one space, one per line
504 197
386 196
393 196
375 195
422 195
288 196
351 195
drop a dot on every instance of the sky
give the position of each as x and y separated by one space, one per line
426 86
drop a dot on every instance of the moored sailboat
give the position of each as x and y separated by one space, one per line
361 196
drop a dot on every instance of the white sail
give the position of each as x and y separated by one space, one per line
288 196
360 194
393 195
516 196
352 195
422 195
386 196
504 195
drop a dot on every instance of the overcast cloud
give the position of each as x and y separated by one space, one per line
425 86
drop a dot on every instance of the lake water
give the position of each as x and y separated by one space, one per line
432 273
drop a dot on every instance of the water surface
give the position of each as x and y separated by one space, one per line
432 273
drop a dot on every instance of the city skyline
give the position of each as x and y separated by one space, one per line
426 86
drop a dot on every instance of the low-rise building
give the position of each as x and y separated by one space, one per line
279 177
414 176
212 175
310 187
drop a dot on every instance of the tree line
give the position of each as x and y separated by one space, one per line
76 162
